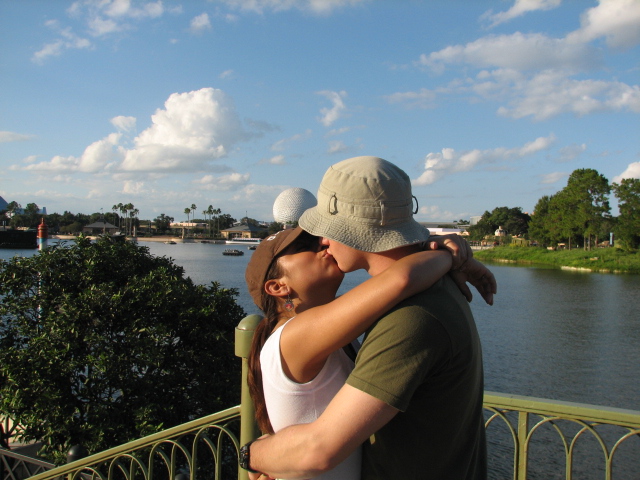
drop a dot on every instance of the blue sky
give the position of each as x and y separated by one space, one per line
228 103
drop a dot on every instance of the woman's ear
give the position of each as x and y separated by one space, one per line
276 288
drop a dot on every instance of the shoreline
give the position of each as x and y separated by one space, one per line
156 238
611 260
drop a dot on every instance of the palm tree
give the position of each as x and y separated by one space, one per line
133 214
127 208
122 212
114 209
210 213
187 210
217 213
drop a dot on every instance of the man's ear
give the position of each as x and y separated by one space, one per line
276 288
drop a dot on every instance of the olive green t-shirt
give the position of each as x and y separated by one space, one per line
424 358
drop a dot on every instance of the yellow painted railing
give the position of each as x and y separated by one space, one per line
207 448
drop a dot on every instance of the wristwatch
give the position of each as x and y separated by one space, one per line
244 459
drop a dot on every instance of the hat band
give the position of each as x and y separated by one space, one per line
381 212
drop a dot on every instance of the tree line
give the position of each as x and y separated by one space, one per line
577 215
122 215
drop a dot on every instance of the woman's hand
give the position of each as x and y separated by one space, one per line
460 250
478 275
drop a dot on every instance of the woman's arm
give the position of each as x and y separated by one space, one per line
312 335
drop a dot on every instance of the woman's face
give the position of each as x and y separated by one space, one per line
310 271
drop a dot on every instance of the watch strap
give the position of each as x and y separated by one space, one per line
244 458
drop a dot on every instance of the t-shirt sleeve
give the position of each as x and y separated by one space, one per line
399 352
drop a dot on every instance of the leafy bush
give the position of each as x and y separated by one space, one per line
102 343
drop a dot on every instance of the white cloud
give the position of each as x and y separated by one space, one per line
124 124
131 187
532 74
275 160
193 129
337 146
280 145
330 115
226 74
100 155
435 212
632 171
68 41
102 17
519 8
519 51
571 152
553 177
421 99
552 93
438 165
318 7
338 131
232 181
13 137
200 23
618 21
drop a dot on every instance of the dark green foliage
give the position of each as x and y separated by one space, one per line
627 228
102 343
513 220
579 213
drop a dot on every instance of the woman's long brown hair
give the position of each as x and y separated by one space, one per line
272 311
260 336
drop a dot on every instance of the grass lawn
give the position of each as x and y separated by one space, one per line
599 259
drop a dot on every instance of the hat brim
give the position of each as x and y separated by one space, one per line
361 236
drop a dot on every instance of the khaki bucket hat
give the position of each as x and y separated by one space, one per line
365 203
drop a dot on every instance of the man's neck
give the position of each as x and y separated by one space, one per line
378 262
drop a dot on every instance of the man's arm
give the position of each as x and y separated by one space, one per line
307 450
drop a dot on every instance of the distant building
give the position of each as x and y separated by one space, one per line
500 232
19 211
188 225
437 228
243 231
100 228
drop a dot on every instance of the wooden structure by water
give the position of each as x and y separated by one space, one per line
18 239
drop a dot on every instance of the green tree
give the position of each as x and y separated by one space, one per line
539 227
513 220
163 223
13 207
102 342
587 203
627 229
225 221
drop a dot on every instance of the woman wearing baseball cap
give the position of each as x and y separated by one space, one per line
297 361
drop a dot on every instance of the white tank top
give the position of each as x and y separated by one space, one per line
290 403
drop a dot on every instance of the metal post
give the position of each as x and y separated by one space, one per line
248 426
522 446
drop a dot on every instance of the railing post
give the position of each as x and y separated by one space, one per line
248 426
522 446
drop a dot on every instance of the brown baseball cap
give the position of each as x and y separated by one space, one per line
263 257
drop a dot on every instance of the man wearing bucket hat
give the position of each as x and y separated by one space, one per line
415 396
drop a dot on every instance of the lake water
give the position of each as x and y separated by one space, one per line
555 334
551 333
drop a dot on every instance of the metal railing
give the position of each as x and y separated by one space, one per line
14 466
207 447
564 433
